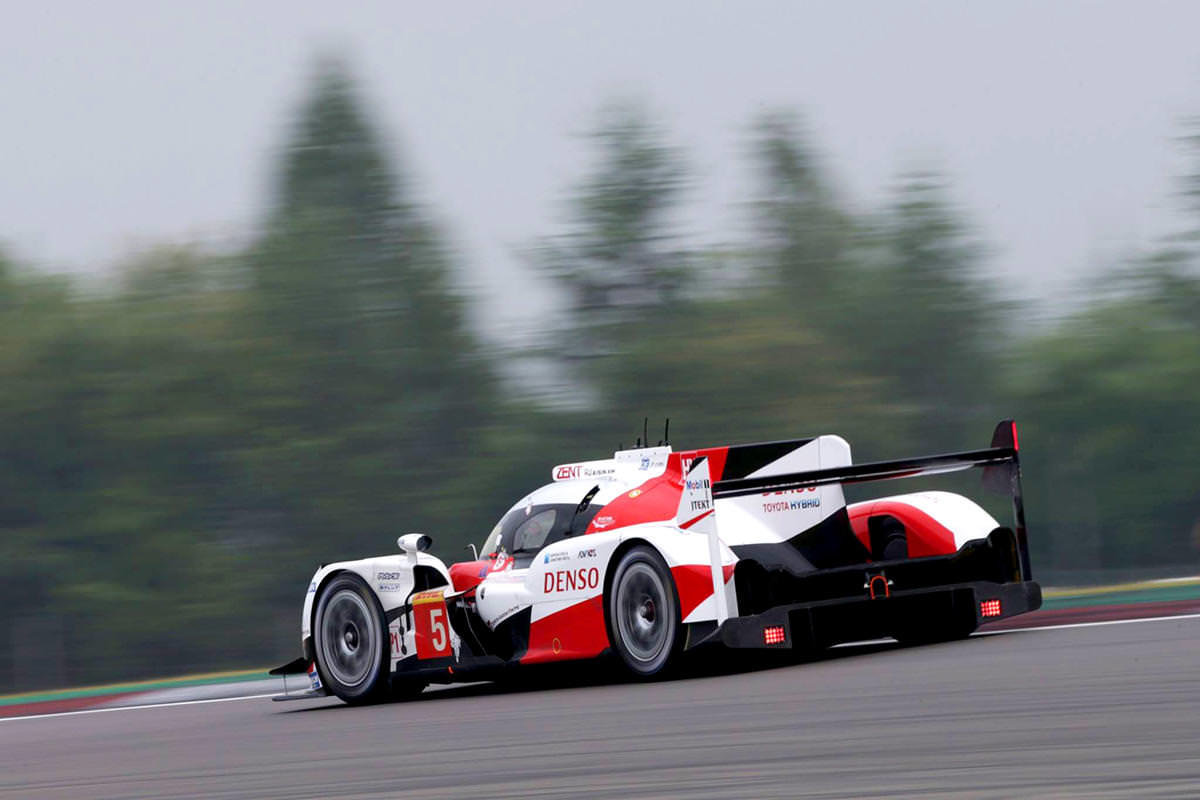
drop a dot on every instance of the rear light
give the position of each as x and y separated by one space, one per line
774 635
1016 444
989 608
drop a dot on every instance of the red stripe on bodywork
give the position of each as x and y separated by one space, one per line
655 500
467 574
716 460
694 584
926 536
577 631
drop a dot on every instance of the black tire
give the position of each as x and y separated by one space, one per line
350 641
642 608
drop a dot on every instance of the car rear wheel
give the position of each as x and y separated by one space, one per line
350 641
643 613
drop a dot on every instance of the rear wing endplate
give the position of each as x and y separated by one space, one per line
1001 464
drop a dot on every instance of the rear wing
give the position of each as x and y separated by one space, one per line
1001 473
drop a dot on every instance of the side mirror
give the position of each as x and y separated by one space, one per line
412 543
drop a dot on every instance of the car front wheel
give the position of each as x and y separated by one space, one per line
351 644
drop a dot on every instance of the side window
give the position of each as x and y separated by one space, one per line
577 523
532 533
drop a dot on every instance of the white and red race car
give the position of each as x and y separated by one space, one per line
654 552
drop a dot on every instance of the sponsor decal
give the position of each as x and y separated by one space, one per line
568 472
645 465
777 506
697 484
602 522
550 557
572 580
635 493
312 587
394 641
700 505
503 615
589 553
685 464
503 561
313 677
393 581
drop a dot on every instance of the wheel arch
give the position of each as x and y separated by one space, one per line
611 569
675 641
351 578
310 650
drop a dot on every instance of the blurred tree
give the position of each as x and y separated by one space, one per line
111 429
1111 403
178 449
804 236
163 441
927 323
619 259
1191 179
369 386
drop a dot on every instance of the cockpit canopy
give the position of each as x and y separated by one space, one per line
548 515
525 531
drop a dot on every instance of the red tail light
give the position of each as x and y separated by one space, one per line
1016 444
774 635
989 608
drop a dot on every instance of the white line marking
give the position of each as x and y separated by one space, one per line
884 640
137 708
1088 624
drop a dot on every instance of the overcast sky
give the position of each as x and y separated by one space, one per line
130 123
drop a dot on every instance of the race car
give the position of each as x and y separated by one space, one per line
655 552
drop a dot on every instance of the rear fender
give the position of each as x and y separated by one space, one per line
935 523
687 556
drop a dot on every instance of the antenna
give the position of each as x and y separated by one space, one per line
646 430
666 434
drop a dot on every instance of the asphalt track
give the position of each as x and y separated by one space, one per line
1104 710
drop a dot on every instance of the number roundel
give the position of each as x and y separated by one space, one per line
432 625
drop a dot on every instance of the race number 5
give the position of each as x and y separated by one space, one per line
432 625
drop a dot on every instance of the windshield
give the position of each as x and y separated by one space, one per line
530 528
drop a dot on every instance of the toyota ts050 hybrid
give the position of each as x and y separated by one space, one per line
654 552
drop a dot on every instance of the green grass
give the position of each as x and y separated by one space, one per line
206 679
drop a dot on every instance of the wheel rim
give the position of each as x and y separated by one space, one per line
643 613
349 643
